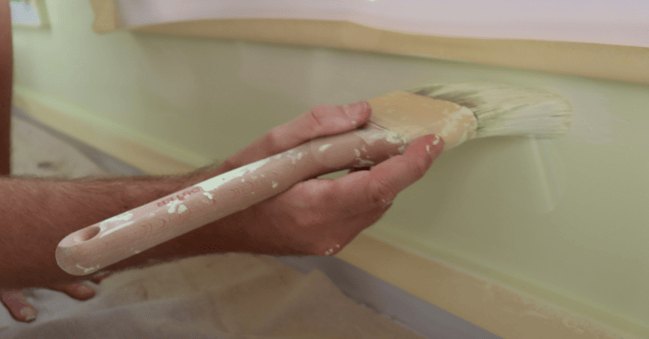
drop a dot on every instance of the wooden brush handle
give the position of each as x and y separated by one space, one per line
112 240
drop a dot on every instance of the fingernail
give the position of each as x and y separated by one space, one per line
357 110
436 146
28 312
437 140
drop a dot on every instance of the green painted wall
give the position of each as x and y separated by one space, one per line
563 219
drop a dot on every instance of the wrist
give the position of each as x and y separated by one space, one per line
202 174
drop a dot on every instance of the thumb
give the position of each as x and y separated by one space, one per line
376 188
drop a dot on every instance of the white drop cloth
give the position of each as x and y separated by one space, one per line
215 296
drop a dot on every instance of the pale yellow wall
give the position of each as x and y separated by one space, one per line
565 220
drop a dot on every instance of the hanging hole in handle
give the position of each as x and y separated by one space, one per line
87 233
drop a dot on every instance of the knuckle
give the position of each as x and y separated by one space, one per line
328 192
303 194
307 221
319 114
381 193
321 194
418 168
274 138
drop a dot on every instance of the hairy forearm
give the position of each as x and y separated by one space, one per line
37 214
314 217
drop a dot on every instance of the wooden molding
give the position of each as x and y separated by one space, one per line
497 308
613 62
105 16
623 63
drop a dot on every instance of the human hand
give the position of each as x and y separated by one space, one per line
319 216
21 310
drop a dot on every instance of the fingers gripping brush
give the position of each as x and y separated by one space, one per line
454 112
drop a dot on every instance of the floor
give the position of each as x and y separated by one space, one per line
37 150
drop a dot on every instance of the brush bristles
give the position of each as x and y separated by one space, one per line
503 109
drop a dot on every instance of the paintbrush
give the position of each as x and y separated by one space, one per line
455 112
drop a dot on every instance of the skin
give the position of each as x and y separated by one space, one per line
310 218
14 299
314 217
21 310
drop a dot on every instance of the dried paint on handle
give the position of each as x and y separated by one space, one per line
115 239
